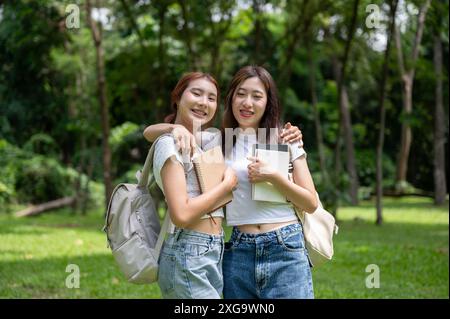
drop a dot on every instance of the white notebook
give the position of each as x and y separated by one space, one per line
277 155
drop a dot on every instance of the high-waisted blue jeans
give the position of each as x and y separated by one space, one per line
190 265
270 265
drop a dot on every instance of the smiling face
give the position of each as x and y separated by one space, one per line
249 103
197 103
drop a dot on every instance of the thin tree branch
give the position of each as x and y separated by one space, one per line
419 33
133 23
187 33
398 44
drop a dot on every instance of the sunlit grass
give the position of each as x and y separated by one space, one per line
410 250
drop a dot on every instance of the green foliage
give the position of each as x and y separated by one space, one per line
119 134
31 93
328 190
366 161
128 146
10 159
294 108
130 175
6 194
42 143
42 179
29 177
404 187
48 85
96 194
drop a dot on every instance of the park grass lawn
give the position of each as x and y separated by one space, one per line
410 251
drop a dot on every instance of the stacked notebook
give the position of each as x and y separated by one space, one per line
277 155
209 167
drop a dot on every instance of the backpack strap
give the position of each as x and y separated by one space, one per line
162 233
145 181
143 177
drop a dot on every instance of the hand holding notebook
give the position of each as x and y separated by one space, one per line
277 156
210 167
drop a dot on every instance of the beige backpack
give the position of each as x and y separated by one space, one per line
133 229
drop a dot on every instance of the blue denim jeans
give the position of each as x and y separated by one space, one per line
190 265
270 265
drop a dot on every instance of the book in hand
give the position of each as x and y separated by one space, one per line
209 167
277 156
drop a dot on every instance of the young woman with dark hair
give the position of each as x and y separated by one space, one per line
266 255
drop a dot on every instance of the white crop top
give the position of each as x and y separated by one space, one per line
243 210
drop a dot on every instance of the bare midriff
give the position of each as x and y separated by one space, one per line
263 228
212 225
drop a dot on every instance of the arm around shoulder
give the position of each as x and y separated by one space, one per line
152 132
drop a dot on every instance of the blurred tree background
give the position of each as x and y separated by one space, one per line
80 80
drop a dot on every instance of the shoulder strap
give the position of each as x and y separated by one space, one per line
143 177
162 233
144 181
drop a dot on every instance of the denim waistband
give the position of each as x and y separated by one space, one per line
195 236
237 235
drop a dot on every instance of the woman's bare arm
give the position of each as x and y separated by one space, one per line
185 210
184 139
301 191
152 132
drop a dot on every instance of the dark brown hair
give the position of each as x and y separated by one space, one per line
178 91
272 113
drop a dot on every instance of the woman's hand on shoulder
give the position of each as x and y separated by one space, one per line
291 134
184 140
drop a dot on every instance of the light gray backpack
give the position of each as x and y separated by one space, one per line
132 227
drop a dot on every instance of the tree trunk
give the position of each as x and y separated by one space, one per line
406 134
407 76
257 32
218 35
133 24
379 171
347 131
80 170
38 209
339 68
101 84
440 186
85 189
301 26
349 147
192 58
317 124
337 180
344 110
160 104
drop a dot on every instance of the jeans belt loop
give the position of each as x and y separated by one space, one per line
279 236
211 240
238 238
178 233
